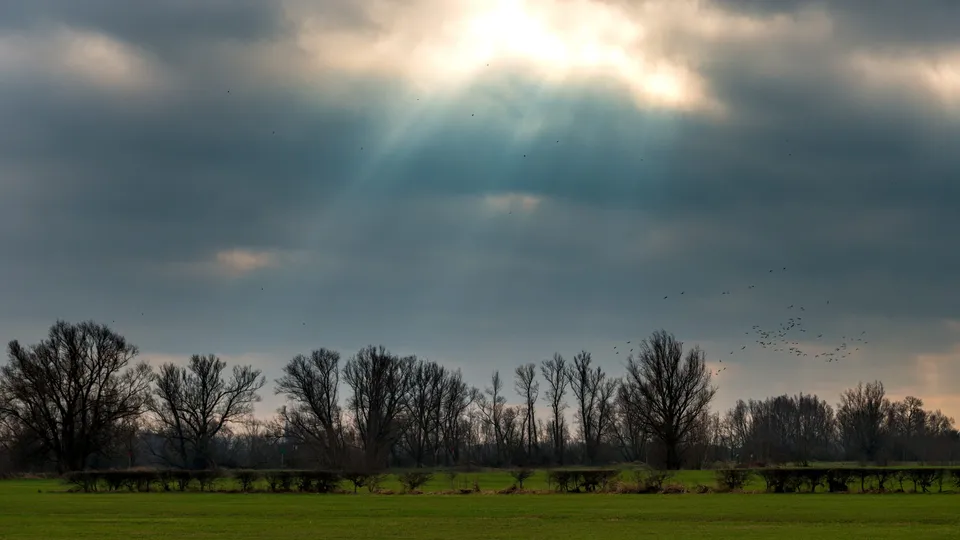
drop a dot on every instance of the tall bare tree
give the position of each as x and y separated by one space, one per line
668 391
491 404
593 393
380 382
425 411
528 388
736 425
314 418
71 391
554 371
860 417
627 428
454 425
193 404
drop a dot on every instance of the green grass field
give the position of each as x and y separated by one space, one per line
41 509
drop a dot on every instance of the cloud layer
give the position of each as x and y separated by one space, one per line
484 183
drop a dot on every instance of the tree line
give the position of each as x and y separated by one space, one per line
80 400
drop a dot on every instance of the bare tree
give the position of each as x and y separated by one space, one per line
457 398
72 390
491 404
314 417
736 424
668 391
593 393
627 428
424 419
193 404
555 373
860 417
529 389
380 382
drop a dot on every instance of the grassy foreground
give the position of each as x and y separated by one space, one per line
36 509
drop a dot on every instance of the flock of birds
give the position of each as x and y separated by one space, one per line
790 336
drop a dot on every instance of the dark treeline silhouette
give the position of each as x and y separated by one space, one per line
77 400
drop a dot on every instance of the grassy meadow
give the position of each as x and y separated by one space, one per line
42 509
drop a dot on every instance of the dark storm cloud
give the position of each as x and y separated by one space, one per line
161 27
877 23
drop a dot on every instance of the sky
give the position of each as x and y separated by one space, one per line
486 182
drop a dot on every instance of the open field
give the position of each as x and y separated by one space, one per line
39 509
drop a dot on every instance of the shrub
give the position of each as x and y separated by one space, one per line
651 480
279 480
246 478
452 476
577 480
206 478
413 480
358 479
519 475
375 482
838 480
731 479
86 481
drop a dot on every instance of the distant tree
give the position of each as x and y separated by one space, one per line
492 404
737 426
594 393
69 392
193 404
668 391
380 382
860 417
314 418
554 371
454 425
425 412
529 389
627 428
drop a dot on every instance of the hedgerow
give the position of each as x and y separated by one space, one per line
776 480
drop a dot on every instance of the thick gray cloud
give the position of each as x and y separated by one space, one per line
249 199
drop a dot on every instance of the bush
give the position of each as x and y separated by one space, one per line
731 479
375 482
86 481
651 480
279 480
358 479
413 480
318 481
577 480
519 475
246 478
206 478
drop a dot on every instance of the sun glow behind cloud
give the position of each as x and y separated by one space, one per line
446 45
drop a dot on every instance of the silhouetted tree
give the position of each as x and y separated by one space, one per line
554 371
380 382
668 391
311 384
529 389
627 428
457 398
193 404
491 404
70 391
860 417
593 393
425 411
